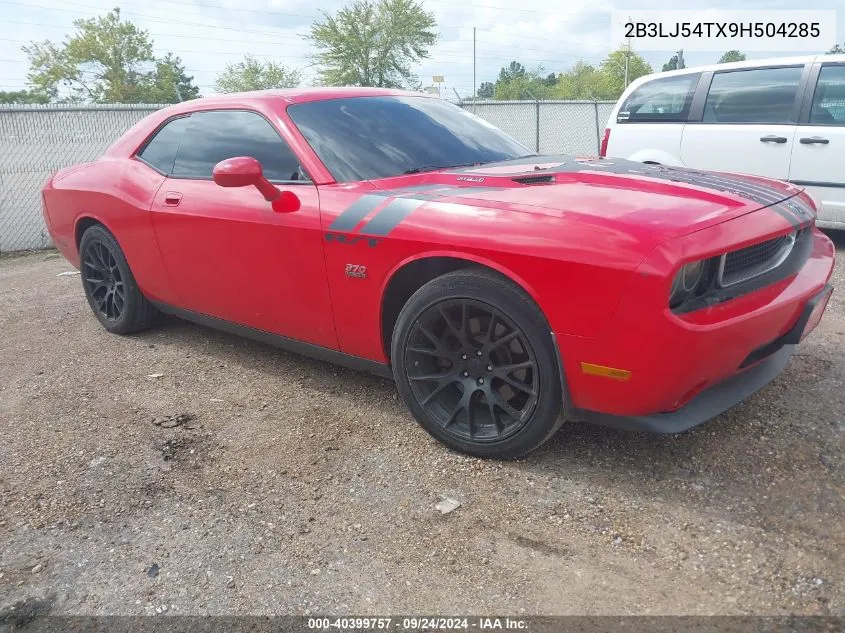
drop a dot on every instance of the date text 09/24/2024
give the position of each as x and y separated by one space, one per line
417 623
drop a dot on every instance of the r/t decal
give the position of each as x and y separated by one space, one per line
342 238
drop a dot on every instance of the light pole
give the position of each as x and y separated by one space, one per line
473 64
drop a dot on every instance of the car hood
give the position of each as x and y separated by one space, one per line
671 201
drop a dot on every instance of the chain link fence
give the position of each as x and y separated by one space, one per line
548 127
35 141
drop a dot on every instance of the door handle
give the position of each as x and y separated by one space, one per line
172 198
814 140
773 139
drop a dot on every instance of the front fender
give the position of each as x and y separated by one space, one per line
473 258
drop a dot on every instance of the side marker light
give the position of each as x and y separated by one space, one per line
607 372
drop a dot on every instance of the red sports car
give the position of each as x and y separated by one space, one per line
503 291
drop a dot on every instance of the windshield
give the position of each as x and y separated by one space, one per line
364 138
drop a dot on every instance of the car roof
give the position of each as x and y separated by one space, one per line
129 142
289 96
750 63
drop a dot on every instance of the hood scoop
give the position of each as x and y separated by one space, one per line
534 180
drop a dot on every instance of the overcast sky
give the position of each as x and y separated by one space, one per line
208 34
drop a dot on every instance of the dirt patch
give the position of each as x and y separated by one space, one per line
297 487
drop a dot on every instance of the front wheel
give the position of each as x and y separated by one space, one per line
110 287
474 361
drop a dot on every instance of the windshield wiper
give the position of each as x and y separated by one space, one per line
423 168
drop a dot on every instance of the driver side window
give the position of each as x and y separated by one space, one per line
215 135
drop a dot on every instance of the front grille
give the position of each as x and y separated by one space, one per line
753 255
755 260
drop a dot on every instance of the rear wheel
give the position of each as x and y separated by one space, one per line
109 285
474 362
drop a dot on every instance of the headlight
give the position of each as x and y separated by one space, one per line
691 275
686 282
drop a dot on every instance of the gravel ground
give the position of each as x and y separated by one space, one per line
293 486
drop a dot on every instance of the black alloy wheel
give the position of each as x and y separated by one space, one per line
475 362
110 286
103 281
472 370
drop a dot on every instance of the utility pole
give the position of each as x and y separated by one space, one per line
627 56
473 64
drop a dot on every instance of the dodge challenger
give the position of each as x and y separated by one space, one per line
504 291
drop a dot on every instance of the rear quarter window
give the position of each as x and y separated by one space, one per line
160 151
665 99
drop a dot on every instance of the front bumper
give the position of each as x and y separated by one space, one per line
706 405
760 367
686 369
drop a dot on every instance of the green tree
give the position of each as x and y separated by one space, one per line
515 82
836 50
107 60
373 43
101 62
169 83
486 90
582 81
513 71
613 69
252 74
24 97
524 84
731 56
672 64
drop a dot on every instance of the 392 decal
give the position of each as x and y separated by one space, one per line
358 271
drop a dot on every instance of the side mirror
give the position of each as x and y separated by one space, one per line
243 171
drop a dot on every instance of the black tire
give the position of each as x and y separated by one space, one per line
448 354
109 285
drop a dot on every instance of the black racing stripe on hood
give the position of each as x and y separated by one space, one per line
802 211
389 218
759 193
356 212
786 215
744 188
